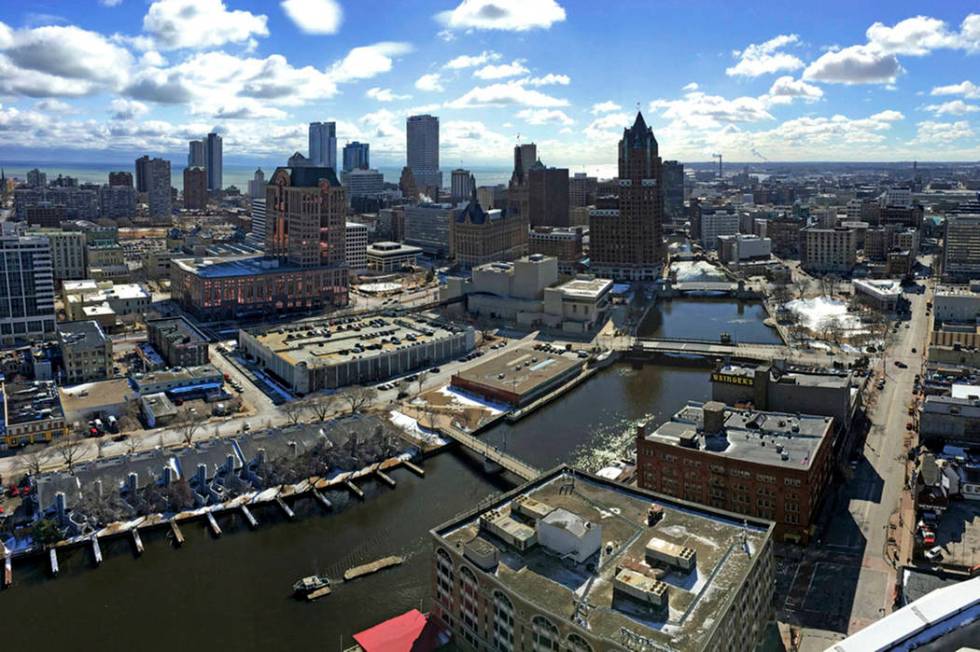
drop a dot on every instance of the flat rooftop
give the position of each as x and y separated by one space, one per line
773 438
178 327
725 548
86 333
330 342
520 370
32 401
201 373
795 377
232 267
586 288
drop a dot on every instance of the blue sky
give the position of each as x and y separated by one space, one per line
101 81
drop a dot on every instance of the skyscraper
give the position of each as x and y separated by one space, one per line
323 144
158 187
121 179
37 179
195 188
304 233
525 156
462 185
422 134
626 235
356 156
196 156
256 185
547 196
27 305
214 163
674 191
141 173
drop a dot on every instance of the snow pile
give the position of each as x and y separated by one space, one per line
692 271
470 400
414 430
815 312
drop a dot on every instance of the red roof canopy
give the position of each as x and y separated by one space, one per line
399 634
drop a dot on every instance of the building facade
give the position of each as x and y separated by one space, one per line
390 257
355 246
462 185
357 156
674 191
961 249
427 226
626 242
547 190
67 253
717 221
179 343
195 188
141 182
86 352
27 307
582 190
422 142
563 244
323 144
196 155
215 162
828 250
158 188
477 236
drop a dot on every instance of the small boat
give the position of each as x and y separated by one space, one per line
310 584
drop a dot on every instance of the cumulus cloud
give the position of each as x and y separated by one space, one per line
200 24
54 106
765 58
550 79
693 86
314 16
473 140
385 95
941 133
123 109
604 107
501 71
953 107
505 94
430 82
915 36
967 89
472 61
544 117
699 109
368 61
858 64
510 15
786 89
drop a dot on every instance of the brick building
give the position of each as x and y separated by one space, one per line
477 236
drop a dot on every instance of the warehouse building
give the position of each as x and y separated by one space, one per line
519 376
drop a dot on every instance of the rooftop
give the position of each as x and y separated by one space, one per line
86 334
793 376
231 267
586 288
330 342
724 546
90 396
32 401
519 370
773 438
202 373
882 287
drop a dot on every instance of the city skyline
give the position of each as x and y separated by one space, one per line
123 78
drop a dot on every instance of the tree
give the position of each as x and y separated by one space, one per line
70 450
293 410
358 397
422 377
800 285
187 426
321 406
46 532
132 443
35 457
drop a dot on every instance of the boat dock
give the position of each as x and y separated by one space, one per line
323 500
96 550
214 524
137 541
178 535
319 593
53 555
8 569
247 513
284 507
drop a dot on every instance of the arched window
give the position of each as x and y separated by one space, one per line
468 604
578 644
503 622
544 634
444 577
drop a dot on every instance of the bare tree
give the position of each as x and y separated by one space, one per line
422 377
321 406
70 450
35 457
187 426
358 397
132 443
294 411
800 285
101 444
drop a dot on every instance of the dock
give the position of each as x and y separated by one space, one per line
137 541
247 513
372 567
387 479
323 500
8 570
53 555
354 489
96 550
285 508
214 525
178 535
417 470
319 593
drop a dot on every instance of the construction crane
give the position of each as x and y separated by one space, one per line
718 156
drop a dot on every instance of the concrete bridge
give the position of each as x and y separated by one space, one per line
716 349
668 289
491 454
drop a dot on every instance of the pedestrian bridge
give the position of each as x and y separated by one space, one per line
491 453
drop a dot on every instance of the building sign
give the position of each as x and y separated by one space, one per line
730 379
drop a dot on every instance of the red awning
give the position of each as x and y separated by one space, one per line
399 634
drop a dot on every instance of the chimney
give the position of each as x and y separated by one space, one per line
132 482
60 505
168 475
293 448
713 419
229 463
202 476
98 488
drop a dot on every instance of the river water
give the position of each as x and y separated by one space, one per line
234 592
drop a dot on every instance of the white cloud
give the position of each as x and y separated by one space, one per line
941 133
607 129
953 107
913 36
765 58
550 79
785 89
123 109
314 16
59 61
505 94
500 71
472 61
473 140
858 64
510 15
604 107
385 95
200 24
697 109
967 89
110 3
693 86
368 61
429 82
544 116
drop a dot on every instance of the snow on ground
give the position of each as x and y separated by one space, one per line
375 288
413 429
473 401
814 312
689 271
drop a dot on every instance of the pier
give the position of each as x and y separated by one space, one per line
284 507
137 541
384 477
354 489
96 550
214 525
417 470
8 570
247 513
323 500
53 556
178 535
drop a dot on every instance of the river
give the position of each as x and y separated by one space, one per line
234 592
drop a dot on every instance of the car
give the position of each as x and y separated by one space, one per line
880 385
381 387
239 389
909 426
434 370
928 538
913 350
246 426
934 554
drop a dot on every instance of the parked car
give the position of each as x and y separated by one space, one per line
934 554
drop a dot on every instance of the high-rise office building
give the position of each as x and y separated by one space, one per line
196 155
525 156
257 184
961 251
674 191
37 179
214 163
422 135
27 304
323 144
121 179
116 202
258 220
195 188
582 190
626 235
158 188
141 173
357 156
547 196
462 185
300 232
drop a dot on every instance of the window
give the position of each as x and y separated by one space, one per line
503 622
544 634
578 644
